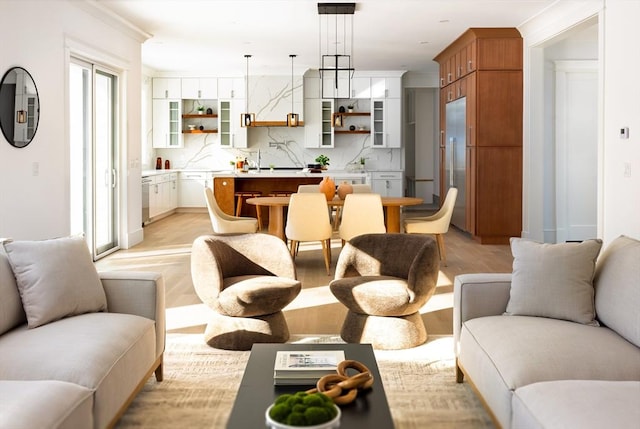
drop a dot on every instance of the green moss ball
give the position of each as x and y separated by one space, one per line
279 412
297 419
317 415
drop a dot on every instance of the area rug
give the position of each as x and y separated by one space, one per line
200 385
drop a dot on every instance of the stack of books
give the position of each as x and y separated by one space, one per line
305 367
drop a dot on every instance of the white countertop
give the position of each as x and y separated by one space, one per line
265 173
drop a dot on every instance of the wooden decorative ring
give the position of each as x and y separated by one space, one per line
330 385
358 366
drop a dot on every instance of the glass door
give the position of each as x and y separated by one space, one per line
93 164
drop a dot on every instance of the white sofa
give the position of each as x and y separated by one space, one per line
82 369
535 371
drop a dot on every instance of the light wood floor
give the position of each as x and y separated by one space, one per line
166 249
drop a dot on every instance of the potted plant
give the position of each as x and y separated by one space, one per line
303 409
200 110
350 108
323 160
362 161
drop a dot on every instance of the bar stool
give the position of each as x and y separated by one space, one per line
241 195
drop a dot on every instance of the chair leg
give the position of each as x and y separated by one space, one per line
293 249
443 252
327 256
259 216
239 206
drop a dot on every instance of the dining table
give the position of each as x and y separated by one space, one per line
276 205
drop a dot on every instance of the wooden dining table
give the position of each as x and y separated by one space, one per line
276 206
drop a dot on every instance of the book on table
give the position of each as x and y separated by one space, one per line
305 367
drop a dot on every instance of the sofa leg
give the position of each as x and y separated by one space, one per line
459 373
159 371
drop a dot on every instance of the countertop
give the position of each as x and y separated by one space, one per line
264 173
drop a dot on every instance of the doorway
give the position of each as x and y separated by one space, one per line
93 125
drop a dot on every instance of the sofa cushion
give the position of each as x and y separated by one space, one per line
108 353
11 311
617 286
45 404
584 404
554 280
56 278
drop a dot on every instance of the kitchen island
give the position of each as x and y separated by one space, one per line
225 185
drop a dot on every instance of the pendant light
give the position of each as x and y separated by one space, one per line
336 65
247 119
292 118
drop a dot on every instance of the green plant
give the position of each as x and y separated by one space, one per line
303 409
322 160
362 160
200 108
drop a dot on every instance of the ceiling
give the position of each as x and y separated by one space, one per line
211 37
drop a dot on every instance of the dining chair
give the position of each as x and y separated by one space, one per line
437 224
308 188
361 214
224 223
308 220
358 188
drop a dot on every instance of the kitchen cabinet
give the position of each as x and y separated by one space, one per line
361 87
329 89
199 88
232 134
482 69
191 186
167 123
318 133
163 194
386 118
386 87
166 87
387 183
231 87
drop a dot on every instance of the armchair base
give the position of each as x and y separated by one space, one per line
384 332
239 333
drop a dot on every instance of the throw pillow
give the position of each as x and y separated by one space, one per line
56 278
554 280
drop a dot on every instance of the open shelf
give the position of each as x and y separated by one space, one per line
196 116
199 131
273 124
352 132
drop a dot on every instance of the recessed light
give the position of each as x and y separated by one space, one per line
443 21
424 42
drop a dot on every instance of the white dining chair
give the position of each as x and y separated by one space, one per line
308 188
224 223
308 220
361 214
436 224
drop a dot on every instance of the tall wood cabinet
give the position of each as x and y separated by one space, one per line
484 66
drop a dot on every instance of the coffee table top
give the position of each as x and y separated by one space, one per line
370 409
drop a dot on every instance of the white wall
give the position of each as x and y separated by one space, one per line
36 35
621 195
618 197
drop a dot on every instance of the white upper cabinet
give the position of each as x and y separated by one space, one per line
200 88
386 118
386 87
329 89
231 87
167 87
361 87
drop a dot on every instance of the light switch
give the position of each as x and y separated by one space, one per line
35 169
624 133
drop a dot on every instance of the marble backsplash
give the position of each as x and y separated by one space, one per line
280 147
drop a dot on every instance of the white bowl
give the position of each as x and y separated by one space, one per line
331 424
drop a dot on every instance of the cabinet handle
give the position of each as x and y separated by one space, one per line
469 68
166 93
442 82
449 77
199 94
441 138
449 96
114 178
459 71
459 92
156 189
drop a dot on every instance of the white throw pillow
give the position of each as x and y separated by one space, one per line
554 280
56 278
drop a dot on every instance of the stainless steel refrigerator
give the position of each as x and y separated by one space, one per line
455 161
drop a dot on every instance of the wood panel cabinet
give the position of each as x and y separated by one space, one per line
484 66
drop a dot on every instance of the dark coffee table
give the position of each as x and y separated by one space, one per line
370 410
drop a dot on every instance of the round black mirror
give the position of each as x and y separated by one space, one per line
19 107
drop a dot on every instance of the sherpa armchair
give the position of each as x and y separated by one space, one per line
247 279
384 280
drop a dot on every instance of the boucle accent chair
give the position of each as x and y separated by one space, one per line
247 279
384 280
